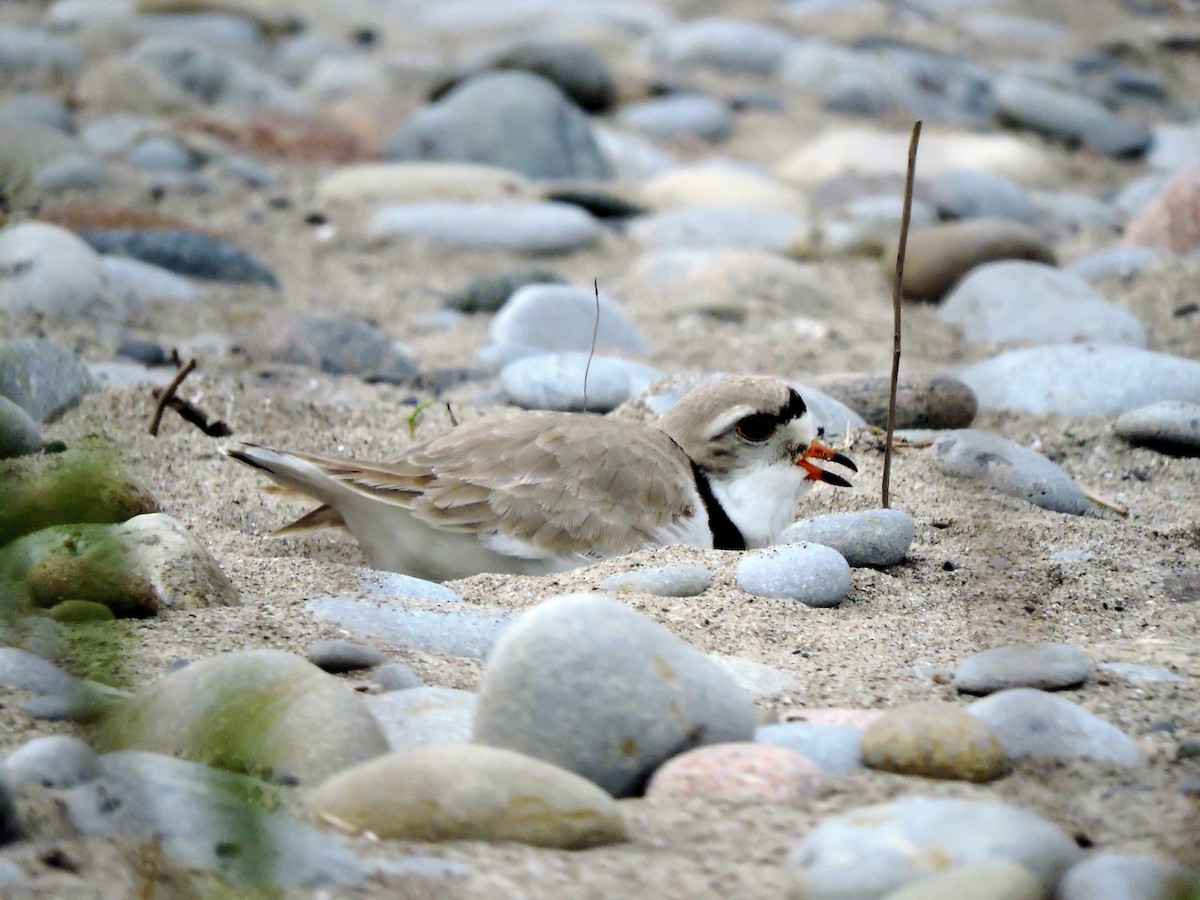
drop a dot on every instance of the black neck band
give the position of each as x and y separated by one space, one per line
725 534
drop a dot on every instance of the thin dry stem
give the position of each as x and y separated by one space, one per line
168 394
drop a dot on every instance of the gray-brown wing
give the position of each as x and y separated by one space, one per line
558 483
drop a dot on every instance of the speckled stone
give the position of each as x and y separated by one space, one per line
814 574
874 537
662 581
738 772
934 740
923 400
1047 667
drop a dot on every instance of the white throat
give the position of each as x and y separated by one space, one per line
762 501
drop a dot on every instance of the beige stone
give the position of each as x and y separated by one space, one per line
416 182
716 185
939 256
934 740
996 879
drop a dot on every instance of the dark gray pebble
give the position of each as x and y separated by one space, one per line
183 252
490 292
347 347
339 655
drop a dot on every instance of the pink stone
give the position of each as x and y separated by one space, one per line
1171 221
742 771
855 718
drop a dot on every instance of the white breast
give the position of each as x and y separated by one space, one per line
762 501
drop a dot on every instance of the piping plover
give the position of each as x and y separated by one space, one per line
537 492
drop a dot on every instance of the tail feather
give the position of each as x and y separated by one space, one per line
324 516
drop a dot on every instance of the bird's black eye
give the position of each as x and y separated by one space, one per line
756 428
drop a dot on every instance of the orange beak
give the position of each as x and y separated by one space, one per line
818 450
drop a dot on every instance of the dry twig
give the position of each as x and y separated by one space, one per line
167 395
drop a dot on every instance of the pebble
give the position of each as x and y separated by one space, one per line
19 434
974 194
21 670
875 849
263 712
1128 876
724 283
397 677
933 740
1139 674
922 400
51 272
534 228
718 228
545 318
754 678
1169 220
84 702
406 587
134 284
449 793
31 55
1009 468
338 655
1045 666
208 77
468 633
868 151
119 132
161 153
1031 723
1073 211
73 172
344 346
1068 117
1124 263
55 761
994 879
661 581
727 45
577 69
586 683
206 818
575 381
835 748
77 612
717 184
875 537
1171 426
678 117
512 119
1081 380
1028 302
814 574
424 715
137 568
36 108
737 773
417 182
183 252
939 256
633 157
488 293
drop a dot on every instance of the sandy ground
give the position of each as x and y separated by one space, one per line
979 573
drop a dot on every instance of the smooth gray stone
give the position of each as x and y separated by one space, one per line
1029 302
1127 876
397 677
184 252
712 227
1138 674
587 684
557 381
347 347
33 107
250 171
424 715
1009 468
874 537
489 293
338 655
867 90
1137 194
135 283
53 761
578 70
679 116
1068 117
549 317
835 748
1047 667
119 132
471 634
73 172
512 119
1115 262
200 816
1081 380
536 228
406 587
1171 426
161 153
19 434
814 574
31 54
82 701
754 678
50 271
725 44
226 32
24 671
661 581
1072 211
870 851
1031 723
975 193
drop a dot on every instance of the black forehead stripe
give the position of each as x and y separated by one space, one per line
792 410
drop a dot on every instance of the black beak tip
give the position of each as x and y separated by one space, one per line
843 460
836 480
